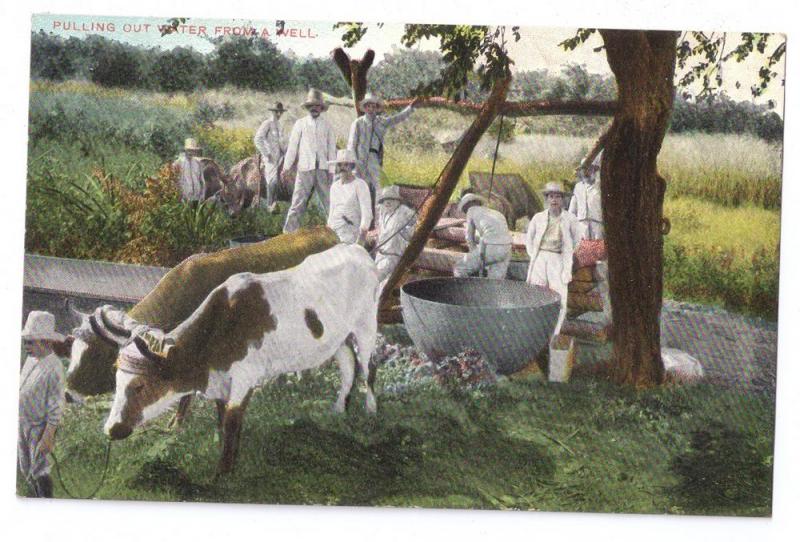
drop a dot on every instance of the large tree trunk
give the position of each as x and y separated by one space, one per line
434 206
633 196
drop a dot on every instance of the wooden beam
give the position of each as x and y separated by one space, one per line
434 206
516 109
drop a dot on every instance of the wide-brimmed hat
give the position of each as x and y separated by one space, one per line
554 188
315 98
191 144
471 198
278 107
371 98
390 193
344 156
41 326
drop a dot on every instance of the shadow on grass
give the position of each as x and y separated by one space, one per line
439 463
724 469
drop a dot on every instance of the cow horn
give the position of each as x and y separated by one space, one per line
159 361
103 333
112 327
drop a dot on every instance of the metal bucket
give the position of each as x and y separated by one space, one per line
246 240
509 322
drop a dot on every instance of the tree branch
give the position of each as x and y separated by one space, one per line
515 109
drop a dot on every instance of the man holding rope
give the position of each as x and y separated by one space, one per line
397 222
41 401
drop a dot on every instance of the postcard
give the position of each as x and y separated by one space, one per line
401 265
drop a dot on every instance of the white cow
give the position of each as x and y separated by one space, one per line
249 330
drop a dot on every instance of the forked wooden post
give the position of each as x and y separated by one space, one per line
354 73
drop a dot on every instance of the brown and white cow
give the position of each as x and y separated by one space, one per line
250 330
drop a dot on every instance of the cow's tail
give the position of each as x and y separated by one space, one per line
371 365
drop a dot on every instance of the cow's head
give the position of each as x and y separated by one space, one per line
96 340
145 383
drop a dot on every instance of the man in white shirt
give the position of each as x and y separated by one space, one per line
366 139
550 241
585 203
488 239
312 145
41 401
351 210
190 172
397 222
269 142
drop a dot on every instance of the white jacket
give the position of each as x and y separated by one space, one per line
268 141
585 202
311 140
571 234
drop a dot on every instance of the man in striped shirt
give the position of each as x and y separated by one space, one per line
41 401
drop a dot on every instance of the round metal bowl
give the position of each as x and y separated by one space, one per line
509 322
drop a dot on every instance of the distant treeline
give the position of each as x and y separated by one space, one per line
257 64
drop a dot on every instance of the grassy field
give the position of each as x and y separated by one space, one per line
723 194
521 444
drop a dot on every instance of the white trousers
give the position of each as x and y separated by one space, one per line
271 181
317 180
496 265
547 271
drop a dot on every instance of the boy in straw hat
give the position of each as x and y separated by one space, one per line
397 222
351 211
269 142
366 138
41 401
550 241
190 171
313 145
488 239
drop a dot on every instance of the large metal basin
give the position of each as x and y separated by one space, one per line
509 322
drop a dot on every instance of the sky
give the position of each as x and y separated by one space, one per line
537 49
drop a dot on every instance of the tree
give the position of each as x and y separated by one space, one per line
320 73
178 69
644 65
250 62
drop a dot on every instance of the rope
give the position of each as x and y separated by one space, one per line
99 484
494 160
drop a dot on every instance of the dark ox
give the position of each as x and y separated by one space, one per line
250 330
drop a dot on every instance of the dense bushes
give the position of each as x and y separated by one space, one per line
250 63
90 120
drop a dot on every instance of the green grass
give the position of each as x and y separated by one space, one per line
522 444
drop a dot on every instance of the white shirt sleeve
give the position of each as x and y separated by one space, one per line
293 146
529 236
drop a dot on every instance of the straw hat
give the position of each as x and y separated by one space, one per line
278 107
371 98
471 198
41 326
389 193
344 156
553 188
191 144
315 98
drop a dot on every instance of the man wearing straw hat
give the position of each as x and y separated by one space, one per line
585 203
351 210
41 401
488 239
313 145
190 171
397 222
269 142
366 138
550 241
